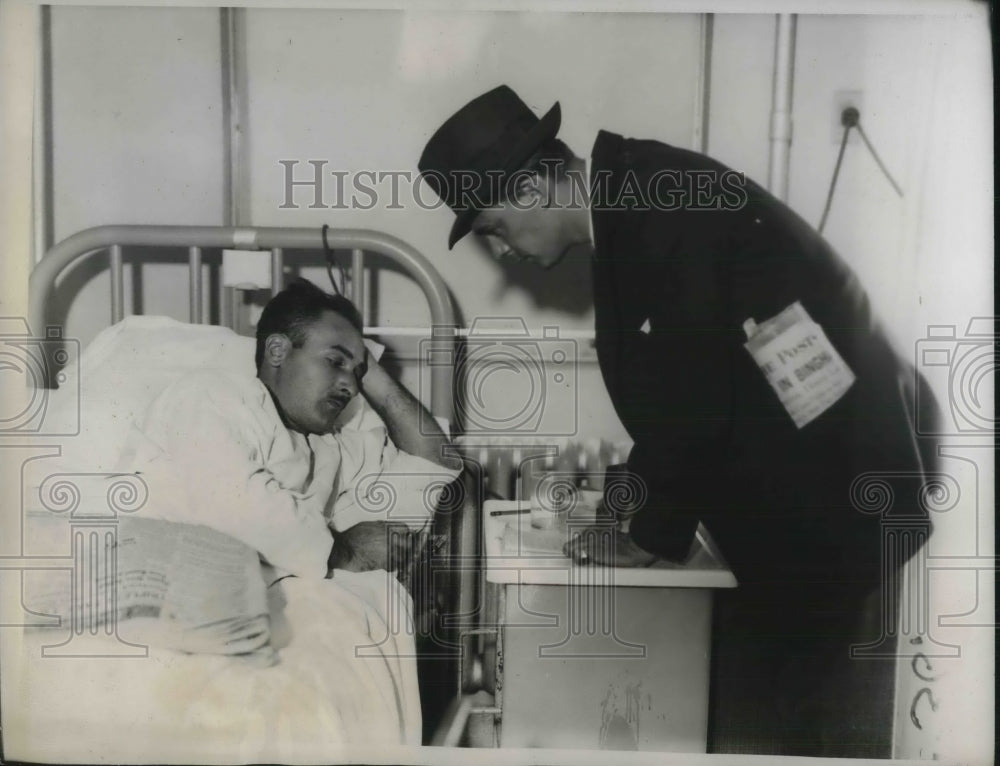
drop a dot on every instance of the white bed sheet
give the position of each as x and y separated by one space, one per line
326 693
346 677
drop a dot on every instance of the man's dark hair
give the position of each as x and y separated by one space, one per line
552 153
292 311
551 161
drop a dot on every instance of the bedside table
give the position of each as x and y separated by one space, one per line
597 657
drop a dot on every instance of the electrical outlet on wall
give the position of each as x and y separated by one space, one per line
841 100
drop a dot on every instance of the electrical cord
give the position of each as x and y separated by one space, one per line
833 181
851 118
878 160
331 262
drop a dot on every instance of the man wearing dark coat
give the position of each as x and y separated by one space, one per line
743 358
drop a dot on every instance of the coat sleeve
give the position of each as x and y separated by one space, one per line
676 381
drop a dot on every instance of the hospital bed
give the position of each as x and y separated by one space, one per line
86 695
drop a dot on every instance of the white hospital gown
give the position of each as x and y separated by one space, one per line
213 450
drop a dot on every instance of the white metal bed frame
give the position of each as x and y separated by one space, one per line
113 239
463 528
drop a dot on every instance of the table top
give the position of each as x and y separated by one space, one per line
517 553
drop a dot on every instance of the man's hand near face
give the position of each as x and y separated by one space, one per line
373 545
410 426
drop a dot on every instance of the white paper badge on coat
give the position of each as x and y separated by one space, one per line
799 362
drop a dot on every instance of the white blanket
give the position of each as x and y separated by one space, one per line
346 673
346 677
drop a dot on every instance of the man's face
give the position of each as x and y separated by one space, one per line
316 381
531 235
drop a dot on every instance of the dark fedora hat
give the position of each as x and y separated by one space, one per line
485 141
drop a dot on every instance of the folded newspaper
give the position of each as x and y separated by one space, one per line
178 586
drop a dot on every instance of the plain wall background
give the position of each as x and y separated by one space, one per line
365 91
137 137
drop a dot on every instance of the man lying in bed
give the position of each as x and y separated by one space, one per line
264 459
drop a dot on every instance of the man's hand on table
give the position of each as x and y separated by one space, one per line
608 546
373 545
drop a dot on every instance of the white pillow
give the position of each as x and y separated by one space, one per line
131 363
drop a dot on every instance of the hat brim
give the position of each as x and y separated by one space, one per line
545 129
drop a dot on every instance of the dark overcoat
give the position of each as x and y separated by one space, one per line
683 258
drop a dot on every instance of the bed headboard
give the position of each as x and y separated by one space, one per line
274 239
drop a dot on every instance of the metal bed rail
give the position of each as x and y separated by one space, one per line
275 239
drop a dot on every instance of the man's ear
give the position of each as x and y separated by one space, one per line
276 348
528 188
